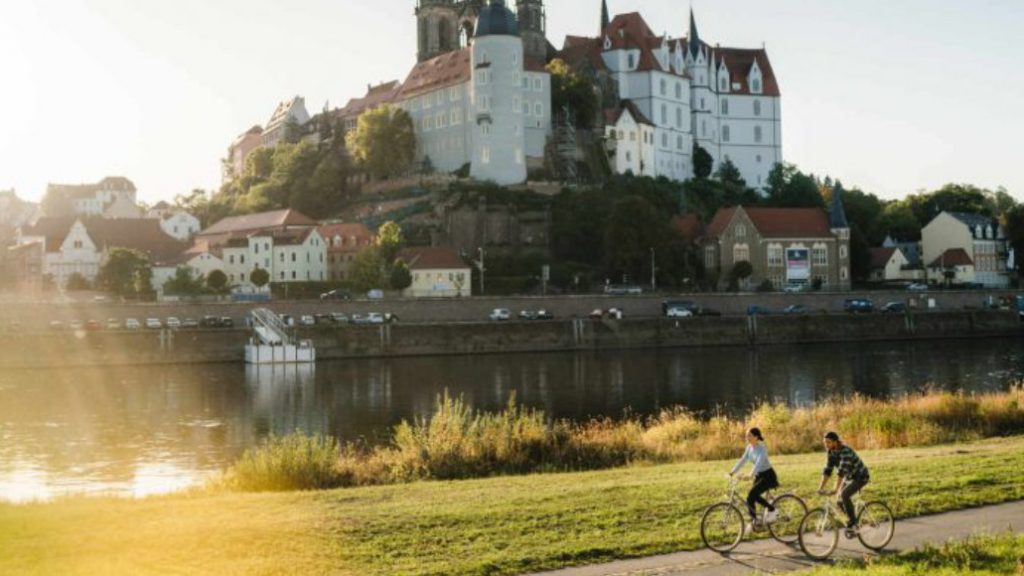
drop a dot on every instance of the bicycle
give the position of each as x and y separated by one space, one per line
819 529
723 524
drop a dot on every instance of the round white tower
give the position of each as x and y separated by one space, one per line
497 62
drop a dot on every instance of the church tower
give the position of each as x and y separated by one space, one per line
532 29
437 28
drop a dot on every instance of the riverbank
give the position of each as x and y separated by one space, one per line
505 525
114 348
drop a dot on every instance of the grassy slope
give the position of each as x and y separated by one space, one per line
493 526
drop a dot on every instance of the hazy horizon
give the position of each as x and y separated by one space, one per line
888 97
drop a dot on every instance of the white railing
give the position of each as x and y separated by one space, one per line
269 327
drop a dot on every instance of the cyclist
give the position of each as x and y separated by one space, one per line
851 478
764 475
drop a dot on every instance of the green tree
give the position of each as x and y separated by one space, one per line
390 240
575 91
77 282
740 272
634 228
259 277
401 277
367 271
1013 224
703 163
790 188
184 283
124 273
217 281
734 190
383 141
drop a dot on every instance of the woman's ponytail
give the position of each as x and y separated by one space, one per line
756 433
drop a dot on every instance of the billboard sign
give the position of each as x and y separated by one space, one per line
798 264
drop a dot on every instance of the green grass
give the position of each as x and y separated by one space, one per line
505 525
980 555
458 442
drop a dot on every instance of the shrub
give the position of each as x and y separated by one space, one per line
293 462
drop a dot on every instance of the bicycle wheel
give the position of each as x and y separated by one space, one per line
876 525
790 511
721 528
819 534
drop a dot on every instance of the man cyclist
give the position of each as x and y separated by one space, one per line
851 478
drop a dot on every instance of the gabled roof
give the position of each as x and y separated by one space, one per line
346 231
442 71
143 234
880 257
431 258
952 257
687 227
379 95
974 220
776 222
612 116
259 221
740 61
54 230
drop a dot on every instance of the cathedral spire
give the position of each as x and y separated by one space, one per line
605 20
837 215
694 38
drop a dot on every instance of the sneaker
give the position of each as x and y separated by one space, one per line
771 516
751 527
851 532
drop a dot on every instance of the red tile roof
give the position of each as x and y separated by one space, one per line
777 222
431 258
442 71
612 116
379 95
952 257
739 61
688 227
880 257
346 231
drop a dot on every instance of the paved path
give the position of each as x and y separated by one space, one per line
770 557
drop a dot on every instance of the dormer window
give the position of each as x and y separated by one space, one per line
755 86
607 43
723 84
629 62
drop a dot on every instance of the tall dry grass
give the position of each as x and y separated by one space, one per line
460 442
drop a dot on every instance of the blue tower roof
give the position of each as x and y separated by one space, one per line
837 215
496 20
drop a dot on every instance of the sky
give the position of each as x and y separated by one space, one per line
892 97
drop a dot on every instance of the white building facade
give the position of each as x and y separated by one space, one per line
288 257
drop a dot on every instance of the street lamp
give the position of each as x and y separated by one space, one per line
480 266
654 270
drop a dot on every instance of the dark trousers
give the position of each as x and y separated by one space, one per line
850 488
763 482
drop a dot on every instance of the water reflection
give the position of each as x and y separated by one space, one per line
141 431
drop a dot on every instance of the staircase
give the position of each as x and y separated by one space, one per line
270 328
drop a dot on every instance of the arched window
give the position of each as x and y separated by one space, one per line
723 84
664 87
755 86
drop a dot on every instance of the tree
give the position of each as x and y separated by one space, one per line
217 281
367 271
401 277
259 277
634 228
575 91
77 282
1013 224
734 190
383 141
184 283
703 163
740 272
389 240
124 272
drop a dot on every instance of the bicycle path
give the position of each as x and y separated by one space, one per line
770 557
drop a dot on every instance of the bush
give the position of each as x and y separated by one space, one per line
459 442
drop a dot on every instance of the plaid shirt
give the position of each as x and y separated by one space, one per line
850 465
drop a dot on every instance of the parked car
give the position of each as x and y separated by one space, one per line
375 294
702 311
755 310
288 319
795 309
527 315
596 314
336 294
56 325
918 287
226 322
339 318
679 305
307 320
132 324
113 324
76 325
209 322
679 313
375 318
154 323
614 314
545 315
894 308
173 322
859 305
500 315
189 323
793 288
618 290
92 325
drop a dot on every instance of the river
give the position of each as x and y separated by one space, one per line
151 430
